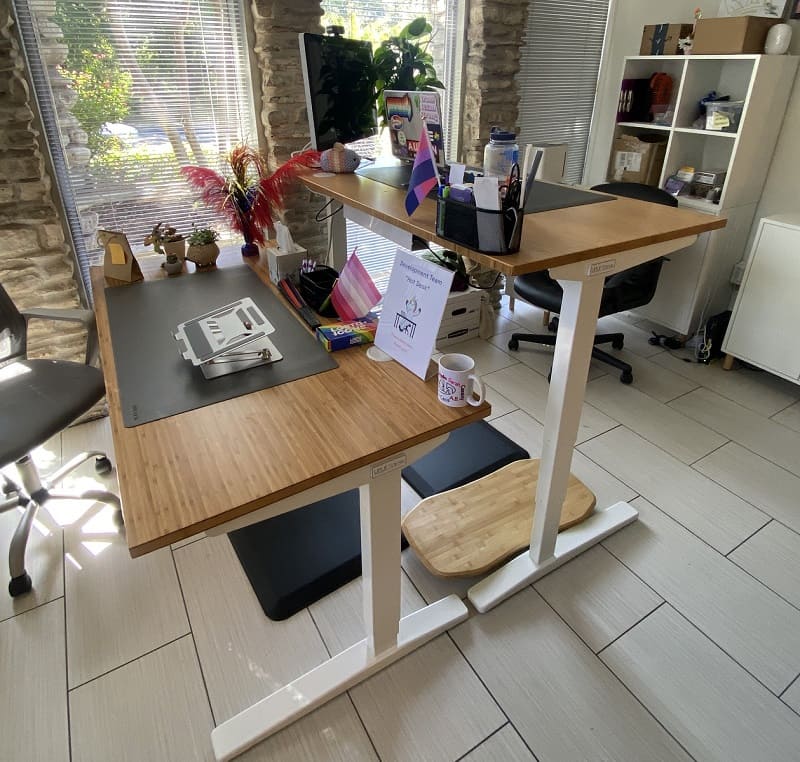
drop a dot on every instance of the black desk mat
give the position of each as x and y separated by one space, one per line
156 382
547 196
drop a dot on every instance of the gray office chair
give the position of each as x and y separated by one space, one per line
622 291
39 398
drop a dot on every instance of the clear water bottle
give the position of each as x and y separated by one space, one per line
500 154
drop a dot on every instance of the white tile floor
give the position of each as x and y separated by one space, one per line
678 637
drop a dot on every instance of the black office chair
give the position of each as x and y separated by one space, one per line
39 398
622 291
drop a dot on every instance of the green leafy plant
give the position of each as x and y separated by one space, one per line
203 236
403 62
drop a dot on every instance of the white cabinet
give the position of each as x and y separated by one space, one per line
763 326
694 283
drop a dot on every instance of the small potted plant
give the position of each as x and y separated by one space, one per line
165 239
203 249
173 265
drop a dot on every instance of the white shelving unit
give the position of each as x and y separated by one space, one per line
694 283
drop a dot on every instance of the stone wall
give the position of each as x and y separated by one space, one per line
494 40
283 114
35 263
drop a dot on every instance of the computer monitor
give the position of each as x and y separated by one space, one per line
406 113
340 92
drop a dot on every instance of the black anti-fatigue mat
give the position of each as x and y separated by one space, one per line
297 558
469 453
156 382
547 196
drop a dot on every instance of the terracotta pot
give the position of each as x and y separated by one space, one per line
204 255
178 248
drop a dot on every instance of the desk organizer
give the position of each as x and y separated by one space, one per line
485 230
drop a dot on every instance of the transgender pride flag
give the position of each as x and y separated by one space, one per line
354 294
424 175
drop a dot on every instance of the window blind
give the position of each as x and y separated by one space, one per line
375 20
559 64
137 89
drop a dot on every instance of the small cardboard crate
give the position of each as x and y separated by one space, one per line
736 34
662 39
637 159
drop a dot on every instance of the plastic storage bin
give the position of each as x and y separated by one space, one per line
723 116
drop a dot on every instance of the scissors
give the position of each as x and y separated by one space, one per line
513 194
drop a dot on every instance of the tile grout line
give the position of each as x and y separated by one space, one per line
741 444
470 665
191 633
614 674
627 630
66 645
130 661
683 526
705 635
711 640
32 608
710 452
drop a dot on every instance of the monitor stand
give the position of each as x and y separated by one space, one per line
396 175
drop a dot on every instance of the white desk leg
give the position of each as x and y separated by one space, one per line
388 637
576 329
380 560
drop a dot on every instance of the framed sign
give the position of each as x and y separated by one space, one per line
412 311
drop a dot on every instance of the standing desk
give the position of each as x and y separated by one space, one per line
235 463
580 246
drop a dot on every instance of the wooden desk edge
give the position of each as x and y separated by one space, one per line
509 264
112 392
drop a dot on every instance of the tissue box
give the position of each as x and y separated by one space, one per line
342 335
285 264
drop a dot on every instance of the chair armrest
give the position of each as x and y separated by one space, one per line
71 315
84 317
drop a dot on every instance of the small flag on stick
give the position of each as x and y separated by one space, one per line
354 293
424 174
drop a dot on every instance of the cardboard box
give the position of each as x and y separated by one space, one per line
662 39
737 34
637 159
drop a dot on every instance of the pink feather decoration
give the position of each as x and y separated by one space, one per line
250 198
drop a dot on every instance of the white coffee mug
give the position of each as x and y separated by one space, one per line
458 384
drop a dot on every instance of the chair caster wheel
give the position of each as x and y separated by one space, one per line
552 326
20 585
102 466
618 343
513 344
626 377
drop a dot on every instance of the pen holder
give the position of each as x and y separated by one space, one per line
486 230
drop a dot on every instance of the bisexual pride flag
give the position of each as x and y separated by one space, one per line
354 293
424 175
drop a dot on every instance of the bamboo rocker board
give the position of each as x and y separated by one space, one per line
472 529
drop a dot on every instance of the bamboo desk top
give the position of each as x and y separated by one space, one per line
549 239
193 471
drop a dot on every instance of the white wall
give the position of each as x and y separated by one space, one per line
781 194
623 38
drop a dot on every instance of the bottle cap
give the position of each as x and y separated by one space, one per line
499 134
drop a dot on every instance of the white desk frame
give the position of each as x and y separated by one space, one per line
583 288
389 637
